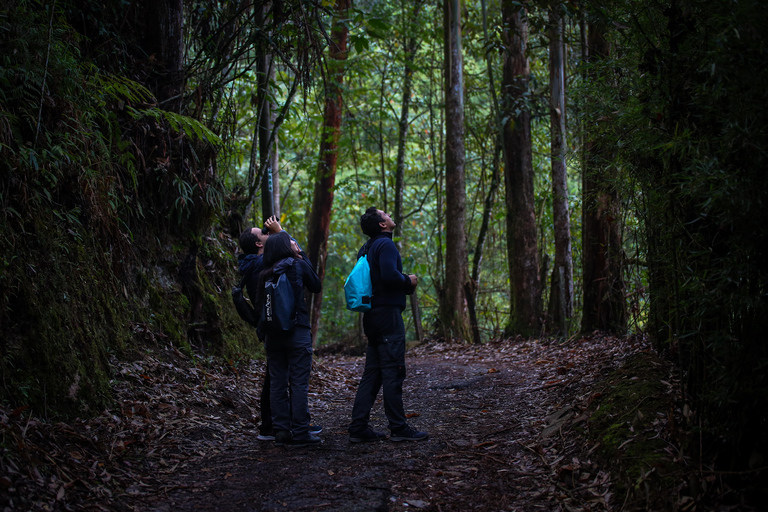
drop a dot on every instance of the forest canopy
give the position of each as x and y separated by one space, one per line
553 168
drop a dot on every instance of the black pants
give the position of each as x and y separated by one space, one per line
384 369
290 364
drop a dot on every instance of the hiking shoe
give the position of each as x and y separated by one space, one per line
408 434
283 437
315 429
266 435
367 436
310 440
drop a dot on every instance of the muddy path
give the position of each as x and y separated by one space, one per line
490 413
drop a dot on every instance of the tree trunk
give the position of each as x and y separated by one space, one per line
604 302
166 43
477 256
380 134
265 130
255 175
274 154
522 253
274 163
320 215
409 52
453 315
561 295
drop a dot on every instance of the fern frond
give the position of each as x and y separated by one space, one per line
192 128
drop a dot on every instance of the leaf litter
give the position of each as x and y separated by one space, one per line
507 423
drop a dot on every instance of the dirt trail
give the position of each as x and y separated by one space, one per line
484 410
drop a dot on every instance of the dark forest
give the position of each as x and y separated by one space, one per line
579 185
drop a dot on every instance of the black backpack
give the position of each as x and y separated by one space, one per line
278 313
242 305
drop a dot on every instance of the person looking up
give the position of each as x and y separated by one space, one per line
384 328
289 355
250 264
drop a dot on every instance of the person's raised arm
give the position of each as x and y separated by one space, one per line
309 276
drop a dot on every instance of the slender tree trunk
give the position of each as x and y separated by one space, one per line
409 52
255 174
382 157
522 253
561 294
454 318
604 302
274 163
320 215
274 153
477 256
435 142
265 130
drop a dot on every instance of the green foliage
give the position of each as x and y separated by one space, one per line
93 176
179 123
60 323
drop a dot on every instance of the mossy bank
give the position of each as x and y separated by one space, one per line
71 304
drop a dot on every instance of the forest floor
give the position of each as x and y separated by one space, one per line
584 425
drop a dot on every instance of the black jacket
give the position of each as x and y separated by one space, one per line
252 265
390 285
301 275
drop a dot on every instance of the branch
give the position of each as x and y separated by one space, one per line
253 187
423 200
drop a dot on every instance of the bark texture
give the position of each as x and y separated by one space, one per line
265 130
165 42
454 318
561 294
522 253
322 202
604 302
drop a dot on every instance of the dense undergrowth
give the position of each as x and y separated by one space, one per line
105 204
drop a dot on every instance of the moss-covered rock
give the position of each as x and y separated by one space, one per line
64 314
624 420
67 311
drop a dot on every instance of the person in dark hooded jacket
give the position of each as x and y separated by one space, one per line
289 355
250 264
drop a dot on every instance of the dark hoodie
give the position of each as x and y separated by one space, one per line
251 264
390 285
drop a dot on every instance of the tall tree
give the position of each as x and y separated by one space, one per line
410 49
265 130
455 322
477 255
522 253
320 216
561 294
165 42
604 305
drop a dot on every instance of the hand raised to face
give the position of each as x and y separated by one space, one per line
273 225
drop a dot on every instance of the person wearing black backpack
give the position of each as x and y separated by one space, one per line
289 353
384 328
250 265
